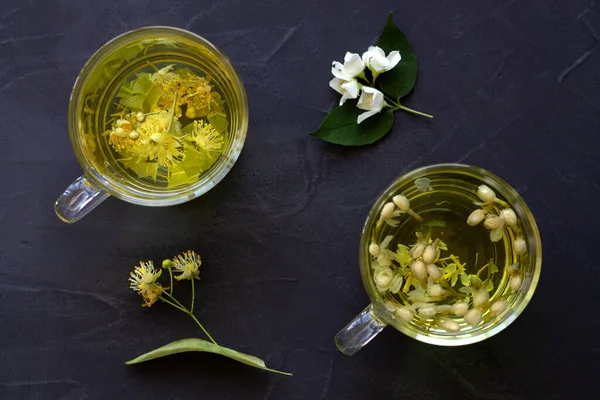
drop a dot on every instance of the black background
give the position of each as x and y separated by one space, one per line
514 87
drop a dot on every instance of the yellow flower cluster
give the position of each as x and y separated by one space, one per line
188 265
205 136
143 281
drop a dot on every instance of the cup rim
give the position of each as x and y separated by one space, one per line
177 195
456 340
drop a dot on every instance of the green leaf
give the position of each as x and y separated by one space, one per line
219 122
451 268
142 169
475 281
340 127
400 80
489 285
192 344
466 290
454 279
493 268
178 177
465 280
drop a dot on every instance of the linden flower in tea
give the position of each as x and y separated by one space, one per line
426 281
169 125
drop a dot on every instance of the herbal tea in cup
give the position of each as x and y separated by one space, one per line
158 116
450 255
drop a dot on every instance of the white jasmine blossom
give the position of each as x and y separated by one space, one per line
401 202
427 311
353 66
349 89
383 278
435 290
419 270
396 283
480 297
429 254
371 100
375 59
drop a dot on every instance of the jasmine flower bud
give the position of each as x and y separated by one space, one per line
515 282
387 211
473 317
167 264
519 246
140 117
156 137
419 270
480 297
512 269
429 254
133 135
374 249
509 217
493 222
427 311
396 283
402 202
486 194
475 217
498 307
434 272
460 309
405 313
417 250
435 290
449 326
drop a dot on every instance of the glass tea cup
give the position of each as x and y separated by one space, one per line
90 108
444 196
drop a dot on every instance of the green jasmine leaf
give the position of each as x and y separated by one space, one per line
466 290
451 268
400 80
340 127
454 279
475 281
489 286
465 280
192 344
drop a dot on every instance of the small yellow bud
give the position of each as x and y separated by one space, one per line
475 217
387 210
486 194
133 135
509 216
190 112
374 249
167 264
402 202
140 117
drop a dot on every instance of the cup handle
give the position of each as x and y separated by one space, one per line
79 199
360 331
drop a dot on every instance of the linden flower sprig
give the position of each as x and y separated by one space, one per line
378 79
186 266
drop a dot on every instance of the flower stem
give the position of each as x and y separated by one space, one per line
193 296
201 327
172 112
174 305
171 282
175 301
410 110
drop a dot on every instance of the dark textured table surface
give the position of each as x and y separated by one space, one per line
514 87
